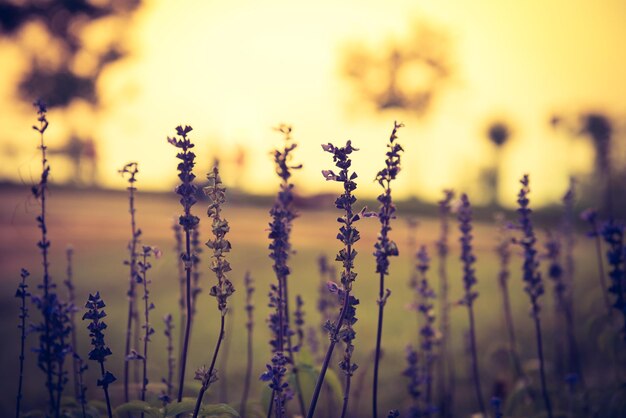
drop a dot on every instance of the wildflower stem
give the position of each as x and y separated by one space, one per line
208 378
69 252
40 191
379 337
282 214
131 169
508 320
504 254
95 312
220 266
329 354
178 248
348 235
105 388
469 281
181 384
445 366
146 337
294 367
532 278
187 192
542 372
601 279
346 395
249 351
22 293
476 374
384 246
171 360
60 375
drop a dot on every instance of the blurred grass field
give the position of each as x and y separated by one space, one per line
96 224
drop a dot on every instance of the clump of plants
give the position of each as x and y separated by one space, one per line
306 355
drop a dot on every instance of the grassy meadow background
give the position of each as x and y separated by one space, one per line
96 224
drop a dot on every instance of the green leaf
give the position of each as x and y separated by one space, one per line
308 378
303 357
138 407
255 410
220 410
332 381
184 406
69 401
98 405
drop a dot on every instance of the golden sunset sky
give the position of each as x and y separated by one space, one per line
234 69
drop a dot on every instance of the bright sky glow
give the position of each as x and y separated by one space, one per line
234 69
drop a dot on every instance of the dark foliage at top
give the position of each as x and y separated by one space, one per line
600 129
498 133
62 84
426 50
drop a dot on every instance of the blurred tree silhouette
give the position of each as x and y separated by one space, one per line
599 128
60 82
407 74
498 133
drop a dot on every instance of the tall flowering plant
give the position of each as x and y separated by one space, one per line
282 214
341 328
533 283
187 192
224 288
469 281
385 247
